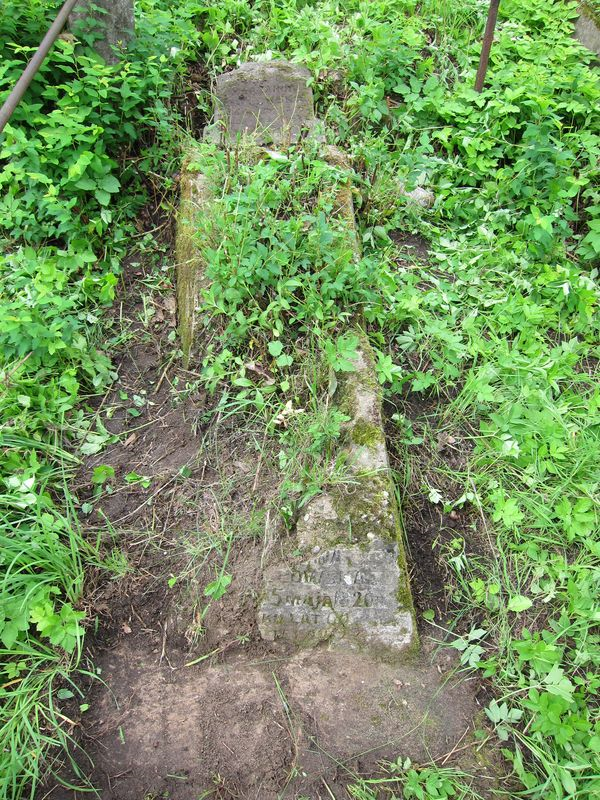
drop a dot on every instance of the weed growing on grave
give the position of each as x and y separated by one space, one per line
426 783
502 320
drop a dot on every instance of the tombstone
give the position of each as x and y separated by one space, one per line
111 22
270 99
587 30
343 580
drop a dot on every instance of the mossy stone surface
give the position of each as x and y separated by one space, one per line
349 586
195 200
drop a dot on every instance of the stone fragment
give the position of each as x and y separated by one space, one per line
112 23
345 595
419 196
195 199
346 582
344 208
270 99
587 31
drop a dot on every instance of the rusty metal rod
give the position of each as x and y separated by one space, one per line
37 60
488 38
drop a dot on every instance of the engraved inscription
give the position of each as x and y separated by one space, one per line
344 593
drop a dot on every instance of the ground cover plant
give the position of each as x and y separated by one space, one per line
499 326
502 322
73 162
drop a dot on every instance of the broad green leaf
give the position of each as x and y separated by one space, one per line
519 603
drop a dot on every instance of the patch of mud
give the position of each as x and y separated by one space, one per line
182 483
432 454
410 246
157 411
434 534
224 626
162 731
268 728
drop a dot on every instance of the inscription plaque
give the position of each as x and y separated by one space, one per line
270 99
344 594
350 587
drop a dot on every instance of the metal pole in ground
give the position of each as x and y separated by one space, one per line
488 38
37 59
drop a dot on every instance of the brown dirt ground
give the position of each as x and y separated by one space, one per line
188 706
433 534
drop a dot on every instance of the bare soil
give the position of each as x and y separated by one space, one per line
189 702
298 726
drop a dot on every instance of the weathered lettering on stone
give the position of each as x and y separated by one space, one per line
271 100
345 595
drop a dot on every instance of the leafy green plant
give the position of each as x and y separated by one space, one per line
410 781
71 187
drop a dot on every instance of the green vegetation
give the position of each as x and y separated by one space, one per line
592 8
502 320
500 325
84 133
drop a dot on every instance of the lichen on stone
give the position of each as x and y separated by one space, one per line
366 433
196 195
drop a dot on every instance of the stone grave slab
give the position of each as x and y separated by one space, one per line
270 100
343 595
587 30
195 200
343 580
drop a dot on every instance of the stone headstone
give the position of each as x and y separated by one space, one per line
344 579
587 31
344 595
270 99
112 22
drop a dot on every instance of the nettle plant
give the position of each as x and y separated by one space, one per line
280 264
61 172
526 150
